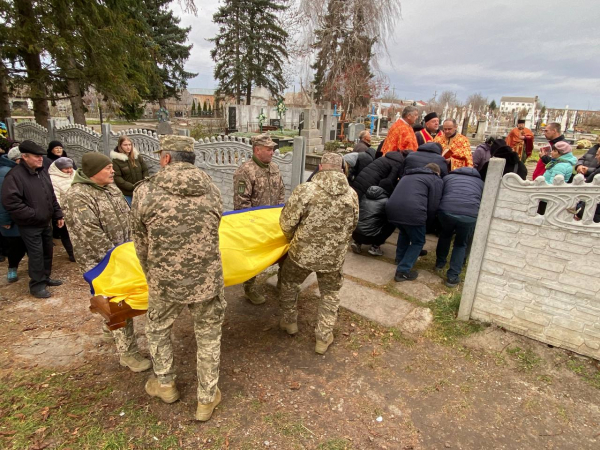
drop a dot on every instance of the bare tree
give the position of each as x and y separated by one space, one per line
478 102
364 31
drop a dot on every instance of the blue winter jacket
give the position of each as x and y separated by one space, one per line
416 198
562 166
5 166
462 192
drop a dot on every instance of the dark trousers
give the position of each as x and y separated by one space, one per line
38 242
410 243
15 250
378 239
63 234
461 227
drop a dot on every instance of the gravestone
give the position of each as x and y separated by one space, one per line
326 128
275 123
232 124
314 143
300 123
354 130
164 128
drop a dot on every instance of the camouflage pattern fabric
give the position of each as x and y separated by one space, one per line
125 339
175 217
98 220
318 220
208 318
257 184
175 143
330 283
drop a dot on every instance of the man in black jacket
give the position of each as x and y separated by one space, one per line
588 163
415 200
383 172
457 214
28 196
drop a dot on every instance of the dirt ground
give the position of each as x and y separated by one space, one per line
457 386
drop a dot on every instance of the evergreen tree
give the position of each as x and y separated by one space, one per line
493 105
193 111
249 47
81 43
170 52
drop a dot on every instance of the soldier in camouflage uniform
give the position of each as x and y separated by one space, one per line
258 182
97 215
318 220
175 218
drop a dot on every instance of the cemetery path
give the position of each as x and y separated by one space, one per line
439 385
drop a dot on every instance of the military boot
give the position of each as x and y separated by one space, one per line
107 335
322 346
135 362
168 393
291 328
204 412
253 295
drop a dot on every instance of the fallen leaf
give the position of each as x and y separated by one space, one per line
294 385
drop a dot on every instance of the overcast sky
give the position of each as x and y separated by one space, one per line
548 48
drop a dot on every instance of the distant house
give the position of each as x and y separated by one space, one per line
509 105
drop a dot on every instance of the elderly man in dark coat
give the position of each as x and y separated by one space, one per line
28 196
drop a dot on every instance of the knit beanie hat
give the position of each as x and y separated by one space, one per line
14 154
562 147
93 162
63 163
53 144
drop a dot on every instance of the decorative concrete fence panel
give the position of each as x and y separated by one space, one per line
219 157
537 275
78 140
29 130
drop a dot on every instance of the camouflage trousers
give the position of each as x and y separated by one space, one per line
207 317
330 283
124 339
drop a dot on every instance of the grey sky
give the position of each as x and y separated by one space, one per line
549 48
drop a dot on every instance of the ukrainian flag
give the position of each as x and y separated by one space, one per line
250 240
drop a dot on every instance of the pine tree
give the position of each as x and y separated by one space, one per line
249 47
193 111
170 52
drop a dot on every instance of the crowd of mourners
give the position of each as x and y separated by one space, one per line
422 179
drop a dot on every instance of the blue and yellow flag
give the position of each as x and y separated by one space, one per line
250 240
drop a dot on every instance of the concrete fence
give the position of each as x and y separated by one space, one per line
537 275
219 157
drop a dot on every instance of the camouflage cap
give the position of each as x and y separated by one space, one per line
173 143
335 159
263 140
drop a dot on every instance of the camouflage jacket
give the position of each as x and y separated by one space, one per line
257 184
175 218
318 219
97 218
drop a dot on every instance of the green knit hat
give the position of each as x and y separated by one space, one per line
93 162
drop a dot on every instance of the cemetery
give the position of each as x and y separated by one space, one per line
505 356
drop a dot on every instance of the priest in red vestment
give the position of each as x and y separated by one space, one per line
520 139
431 130
455 147
401 135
